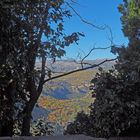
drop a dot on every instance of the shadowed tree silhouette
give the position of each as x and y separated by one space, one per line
116 109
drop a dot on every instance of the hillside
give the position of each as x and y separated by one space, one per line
63 98
71 86
64 111
63 103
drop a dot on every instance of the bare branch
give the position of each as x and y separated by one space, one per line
102 48
86 57
73 1
94 48
97 48
82 69
111 35
85 21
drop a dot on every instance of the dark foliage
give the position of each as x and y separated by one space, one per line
116 110
81 125
23 23
11 71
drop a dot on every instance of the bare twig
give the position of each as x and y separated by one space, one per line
111 35
73 1
102 48
86 57
97 48
85 21
94 48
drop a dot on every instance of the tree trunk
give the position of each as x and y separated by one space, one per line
26 124
29 108
27 118
35 93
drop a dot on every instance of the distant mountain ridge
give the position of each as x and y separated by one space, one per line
69 65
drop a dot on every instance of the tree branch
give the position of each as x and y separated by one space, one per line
85 21
78 70
86 57
94 48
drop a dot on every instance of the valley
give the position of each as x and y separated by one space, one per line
64 97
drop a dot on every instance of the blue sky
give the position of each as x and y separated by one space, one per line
98 12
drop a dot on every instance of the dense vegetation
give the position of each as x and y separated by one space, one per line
22 24
116 110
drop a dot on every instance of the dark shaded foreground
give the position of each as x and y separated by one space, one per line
68 137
